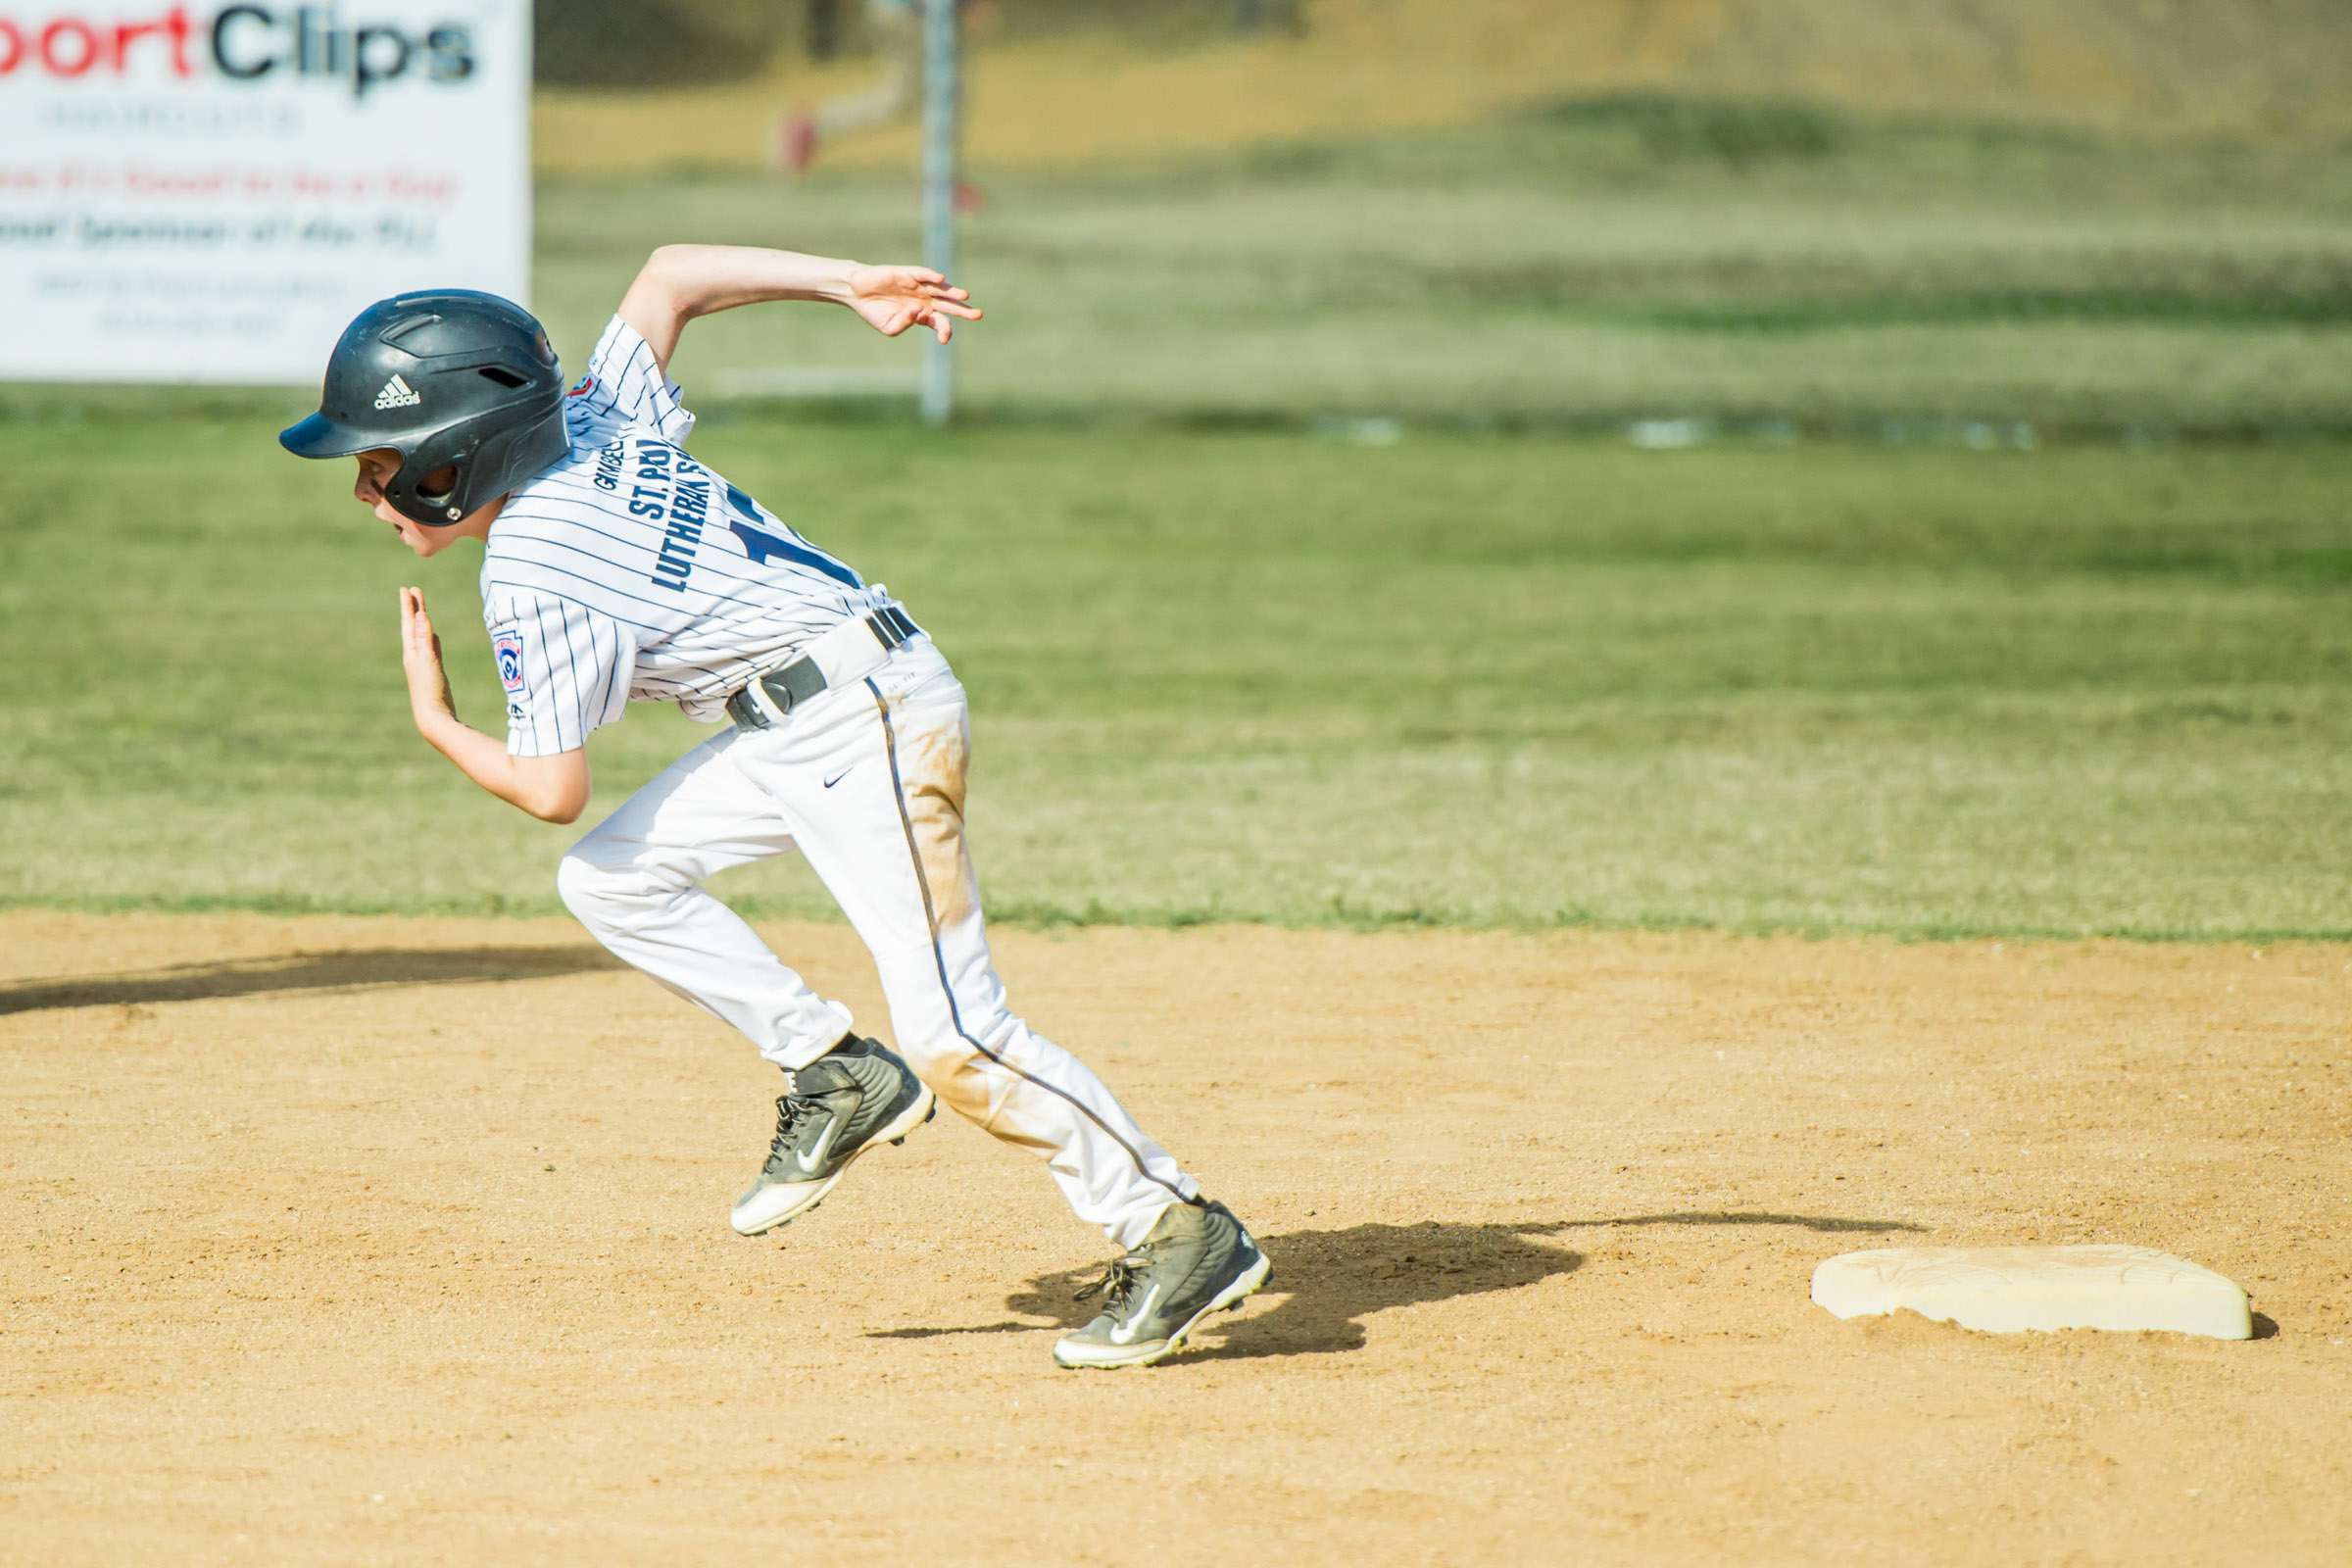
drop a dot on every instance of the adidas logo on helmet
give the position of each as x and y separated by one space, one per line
397 394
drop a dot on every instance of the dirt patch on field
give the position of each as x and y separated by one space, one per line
405 1241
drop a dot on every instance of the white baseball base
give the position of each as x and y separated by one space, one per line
2007 1290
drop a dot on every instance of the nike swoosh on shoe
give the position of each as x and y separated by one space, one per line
1124 1333
812 1161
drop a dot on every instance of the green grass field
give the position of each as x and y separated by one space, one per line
1232 676
1582 265
1238 654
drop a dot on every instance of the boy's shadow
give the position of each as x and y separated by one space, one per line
1341 1277
358 969
1326 1282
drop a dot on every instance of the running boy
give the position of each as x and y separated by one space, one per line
616 567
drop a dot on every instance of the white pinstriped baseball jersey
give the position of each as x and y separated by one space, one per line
627 570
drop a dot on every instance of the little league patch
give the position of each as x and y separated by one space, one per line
507 648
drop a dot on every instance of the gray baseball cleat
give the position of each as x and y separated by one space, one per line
1197 1259
837 1107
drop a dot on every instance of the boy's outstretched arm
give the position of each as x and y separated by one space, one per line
552 789
679 282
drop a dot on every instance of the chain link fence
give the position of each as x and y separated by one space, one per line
645 43
1987 215
1069 81
633 84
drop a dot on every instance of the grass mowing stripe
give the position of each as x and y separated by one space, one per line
1478 683
1058 917
2175 306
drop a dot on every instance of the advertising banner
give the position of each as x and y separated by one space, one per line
207 192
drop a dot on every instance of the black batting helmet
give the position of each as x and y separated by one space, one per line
451 379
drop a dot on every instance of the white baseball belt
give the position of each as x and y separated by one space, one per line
841 656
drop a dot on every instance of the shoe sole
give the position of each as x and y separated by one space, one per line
925 1106
1247 1283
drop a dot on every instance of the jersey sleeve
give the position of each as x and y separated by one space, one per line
564 669
623 384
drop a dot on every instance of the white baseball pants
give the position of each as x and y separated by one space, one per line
867 781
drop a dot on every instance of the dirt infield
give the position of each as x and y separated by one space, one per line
380 1240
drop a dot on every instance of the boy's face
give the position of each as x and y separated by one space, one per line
376 469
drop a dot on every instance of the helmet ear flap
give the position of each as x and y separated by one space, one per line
485 456
438 495
452 450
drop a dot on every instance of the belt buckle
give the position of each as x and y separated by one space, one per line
744 708
760 705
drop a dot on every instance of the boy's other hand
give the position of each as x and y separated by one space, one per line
420 656
891 299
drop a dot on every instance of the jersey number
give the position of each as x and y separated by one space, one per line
763 546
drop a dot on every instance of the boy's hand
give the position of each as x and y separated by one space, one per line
554 789
891 299
421 658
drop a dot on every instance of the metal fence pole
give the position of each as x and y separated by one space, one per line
942 90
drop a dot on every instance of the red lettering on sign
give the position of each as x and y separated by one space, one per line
84 52
71 46
173 28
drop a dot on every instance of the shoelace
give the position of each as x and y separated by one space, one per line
790 1111
1117 1283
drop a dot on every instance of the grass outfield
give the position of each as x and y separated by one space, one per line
1487 681
1580 265
1227 667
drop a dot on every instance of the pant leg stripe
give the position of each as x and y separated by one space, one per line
939 958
